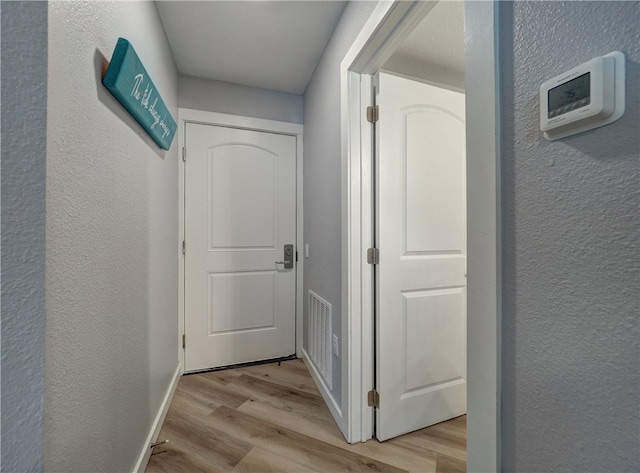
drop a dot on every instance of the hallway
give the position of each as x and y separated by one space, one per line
271 418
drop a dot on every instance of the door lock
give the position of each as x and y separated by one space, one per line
288 257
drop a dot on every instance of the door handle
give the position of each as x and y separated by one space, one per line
288 257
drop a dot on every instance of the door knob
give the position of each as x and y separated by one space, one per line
288 257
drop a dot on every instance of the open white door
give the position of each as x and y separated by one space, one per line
421 275
240 212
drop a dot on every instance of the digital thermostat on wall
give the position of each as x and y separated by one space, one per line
583 98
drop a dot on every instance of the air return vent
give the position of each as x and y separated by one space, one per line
320 335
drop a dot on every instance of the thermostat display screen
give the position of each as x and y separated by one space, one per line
569 96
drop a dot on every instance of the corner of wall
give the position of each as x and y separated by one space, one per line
23 141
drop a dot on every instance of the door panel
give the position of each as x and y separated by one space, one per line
421 277
247 177
433 200
433 320
240 211
231 309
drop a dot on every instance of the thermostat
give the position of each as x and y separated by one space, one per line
585 97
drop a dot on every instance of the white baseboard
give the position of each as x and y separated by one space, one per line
335 410
145 454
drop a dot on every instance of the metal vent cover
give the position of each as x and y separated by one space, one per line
320 336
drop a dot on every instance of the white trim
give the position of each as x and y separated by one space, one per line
421 80
387 26
366 427
299 245
331 403
181 190
358 372
355 363
187 115
484 272
145 454
236 121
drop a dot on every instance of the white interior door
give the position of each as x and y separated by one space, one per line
421 276
240 212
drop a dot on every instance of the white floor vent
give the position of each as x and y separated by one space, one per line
320 335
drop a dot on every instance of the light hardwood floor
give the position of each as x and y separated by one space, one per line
271 418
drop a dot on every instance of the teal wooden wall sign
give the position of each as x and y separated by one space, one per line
129 82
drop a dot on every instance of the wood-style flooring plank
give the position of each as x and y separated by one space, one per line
450 465
272 418
209 391
222 377
282 398
435 443
259 461
297 447
207 444
405 457
173 459
319 428
283 375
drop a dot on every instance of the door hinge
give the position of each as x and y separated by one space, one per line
373 256
184 247
184 154
373 399
184 340
373 113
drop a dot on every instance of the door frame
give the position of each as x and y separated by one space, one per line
389 24
187 115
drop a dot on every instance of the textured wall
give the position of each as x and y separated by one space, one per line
112 228
236 99
24 54
322 173
571 250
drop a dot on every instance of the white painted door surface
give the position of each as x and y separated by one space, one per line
421 277
240 211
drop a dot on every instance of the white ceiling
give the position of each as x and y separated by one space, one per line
270 44
435 49
277 44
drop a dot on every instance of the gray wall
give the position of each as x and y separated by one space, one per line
112 243
24 103
236 99
322 173
571 250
